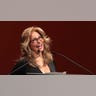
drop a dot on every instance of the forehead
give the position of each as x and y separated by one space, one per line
34 34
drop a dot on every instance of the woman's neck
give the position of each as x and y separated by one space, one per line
39 60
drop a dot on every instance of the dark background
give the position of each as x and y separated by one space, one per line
74 39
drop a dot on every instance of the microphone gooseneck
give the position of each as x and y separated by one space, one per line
38 52
73 62
18 68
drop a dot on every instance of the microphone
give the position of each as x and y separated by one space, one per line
73 62
38 52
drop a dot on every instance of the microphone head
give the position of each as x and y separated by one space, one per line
38 51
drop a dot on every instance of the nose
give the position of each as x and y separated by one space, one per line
38 40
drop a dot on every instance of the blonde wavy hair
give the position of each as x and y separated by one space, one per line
27 52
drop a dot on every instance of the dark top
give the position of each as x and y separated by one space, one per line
23 68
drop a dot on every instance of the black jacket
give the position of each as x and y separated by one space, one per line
23 68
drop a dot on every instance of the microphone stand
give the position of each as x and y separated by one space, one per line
21 65
17 69
73 62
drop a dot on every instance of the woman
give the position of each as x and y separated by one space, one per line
36 56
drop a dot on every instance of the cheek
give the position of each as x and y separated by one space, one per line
42 41
33 46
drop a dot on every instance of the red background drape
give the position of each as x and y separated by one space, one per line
74 39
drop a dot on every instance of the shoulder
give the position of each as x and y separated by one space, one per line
20 67
21 62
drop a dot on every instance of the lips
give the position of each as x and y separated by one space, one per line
39 46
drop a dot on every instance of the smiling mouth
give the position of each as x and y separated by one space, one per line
39 46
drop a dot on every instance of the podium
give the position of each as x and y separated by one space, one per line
51 73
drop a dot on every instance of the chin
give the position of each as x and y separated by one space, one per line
41 50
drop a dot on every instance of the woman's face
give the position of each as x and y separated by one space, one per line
37 42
